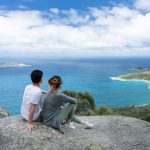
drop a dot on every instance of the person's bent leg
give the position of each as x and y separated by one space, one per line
85 123
76 119
67 112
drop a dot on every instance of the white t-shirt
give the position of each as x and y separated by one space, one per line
32 94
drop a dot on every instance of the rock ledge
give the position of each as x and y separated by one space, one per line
109 133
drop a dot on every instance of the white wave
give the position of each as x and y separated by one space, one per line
13 65
117 78
120 79
141 105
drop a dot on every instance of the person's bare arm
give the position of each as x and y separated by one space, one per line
148 86
44 92
31 126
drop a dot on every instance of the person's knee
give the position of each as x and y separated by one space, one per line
72 106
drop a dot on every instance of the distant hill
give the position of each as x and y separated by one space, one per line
138 69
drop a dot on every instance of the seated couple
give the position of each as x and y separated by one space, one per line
56 108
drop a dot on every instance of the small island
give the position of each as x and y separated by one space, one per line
13 65
141 76
138 69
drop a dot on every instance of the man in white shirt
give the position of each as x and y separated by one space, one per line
31 109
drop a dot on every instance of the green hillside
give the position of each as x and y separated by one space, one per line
145 75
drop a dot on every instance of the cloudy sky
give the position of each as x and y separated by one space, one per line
75 28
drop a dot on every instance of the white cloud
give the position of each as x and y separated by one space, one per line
22 7
116 31
143 4
54 10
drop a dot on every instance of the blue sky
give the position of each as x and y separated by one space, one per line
62 4
75 28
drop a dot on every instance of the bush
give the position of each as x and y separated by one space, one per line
146 118
86 102
104 110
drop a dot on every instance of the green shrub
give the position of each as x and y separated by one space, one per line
85 100
146 118
104 110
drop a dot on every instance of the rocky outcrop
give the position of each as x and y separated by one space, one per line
109 133
3 113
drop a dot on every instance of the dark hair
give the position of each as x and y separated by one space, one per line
55 81
36 76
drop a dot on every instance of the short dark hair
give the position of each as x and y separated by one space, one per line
36 76
56 81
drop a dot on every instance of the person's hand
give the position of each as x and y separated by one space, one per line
31 127
148 86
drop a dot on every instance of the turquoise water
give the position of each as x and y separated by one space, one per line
92 75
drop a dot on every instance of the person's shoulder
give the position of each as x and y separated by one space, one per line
47 96
34 89
48 93
38 90
61 95
28 87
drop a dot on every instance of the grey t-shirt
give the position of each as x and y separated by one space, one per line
52 107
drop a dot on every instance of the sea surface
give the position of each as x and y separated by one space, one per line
92 75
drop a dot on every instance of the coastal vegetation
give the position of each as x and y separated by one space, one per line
140 112
86 102
144 75
86 107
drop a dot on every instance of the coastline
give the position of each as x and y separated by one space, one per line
119 78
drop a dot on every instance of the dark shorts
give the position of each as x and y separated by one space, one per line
39 119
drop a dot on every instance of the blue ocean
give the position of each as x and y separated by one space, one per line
92 75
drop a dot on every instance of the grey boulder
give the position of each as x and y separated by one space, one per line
109 133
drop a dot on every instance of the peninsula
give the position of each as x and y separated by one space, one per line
143 76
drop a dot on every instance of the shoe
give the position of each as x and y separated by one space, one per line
70 125
88 125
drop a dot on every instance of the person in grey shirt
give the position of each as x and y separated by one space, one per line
59 108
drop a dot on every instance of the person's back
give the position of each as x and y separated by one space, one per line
32 94
52 107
